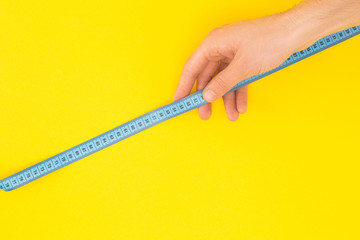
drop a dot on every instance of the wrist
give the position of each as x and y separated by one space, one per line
313 19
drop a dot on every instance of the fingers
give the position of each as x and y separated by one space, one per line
203 79
242 99
230 106
229 99
235 103
193 67
224 81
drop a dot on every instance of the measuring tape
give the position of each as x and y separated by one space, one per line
152 118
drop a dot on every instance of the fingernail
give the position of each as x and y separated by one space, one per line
209 96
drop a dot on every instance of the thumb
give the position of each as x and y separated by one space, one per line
224 81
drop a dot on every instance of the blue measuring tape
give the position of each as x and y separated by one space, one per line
152 118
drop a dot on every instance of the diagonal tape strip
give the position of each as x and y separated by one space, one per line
154 117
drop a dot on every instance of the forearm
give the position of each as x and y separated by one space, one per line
313 19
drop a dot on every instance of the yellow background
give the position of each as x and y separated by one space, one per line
70 70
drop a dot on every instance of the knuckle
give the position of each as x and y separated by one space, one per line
247 67
213 31
186 72
218 30
222 84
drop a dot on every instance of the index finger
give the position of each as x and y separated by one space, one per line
193 67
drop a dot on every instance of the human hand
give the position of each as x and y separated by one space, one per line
237 51
241 50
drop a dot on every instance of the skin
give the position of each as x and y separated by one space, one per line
235 52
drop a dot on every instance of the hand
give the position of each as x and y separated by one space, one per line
241 50
236 51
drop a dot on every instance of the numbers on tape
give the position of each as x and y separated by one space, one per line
152 118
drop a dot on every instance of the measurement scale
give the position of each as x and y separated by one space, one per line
154 117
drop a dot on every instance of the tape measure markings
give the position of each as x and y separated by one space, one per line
153 118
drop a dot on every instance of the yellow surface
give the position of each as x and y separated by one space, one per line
70 70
